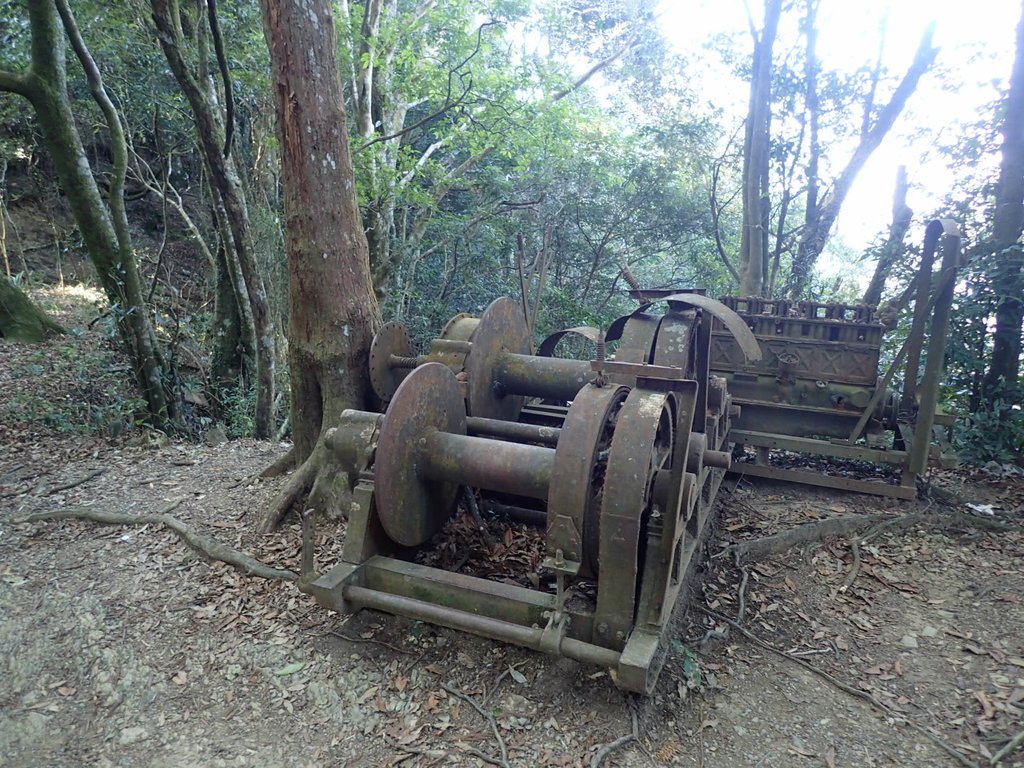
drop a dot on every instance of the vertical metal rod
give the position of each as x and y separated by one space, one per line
936 350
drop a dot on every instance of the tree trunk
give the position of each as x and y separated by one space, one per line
225 180
333 313
1008 223
754 243
893 248
105 234
20 319
822 216
226 356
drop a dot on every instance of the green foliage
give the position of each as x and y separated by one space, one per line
238 406
91 393
995 432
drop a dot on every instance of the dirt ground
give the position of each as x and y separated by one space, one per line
119 647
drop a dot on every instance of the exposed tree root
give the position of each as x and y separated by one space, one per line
778 543
499 761
280 466
855 692
855 568
1011 747
204 545
298 485
605 752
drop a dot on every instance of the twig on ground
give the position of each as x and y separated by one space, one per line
855 568
1011 747
712 634
42 490
348 638
497 682
604 752
410 752
243 480
855 692
741 611
412 664
474 510
503 760
200 543
700 739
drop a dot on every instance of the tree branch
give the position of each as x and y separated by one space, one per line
225 73
844 687
14 82
118 143
631 45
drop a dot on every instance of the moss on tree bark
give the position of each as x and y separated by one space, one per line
20 318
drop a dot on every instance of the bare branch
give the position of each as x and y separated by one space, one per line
631 45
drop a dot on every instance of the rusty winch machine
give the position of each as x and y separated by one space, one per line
618 460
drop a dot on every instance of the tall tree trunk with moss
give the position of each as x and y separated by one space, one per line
212 135
1007 226
333 313
104 230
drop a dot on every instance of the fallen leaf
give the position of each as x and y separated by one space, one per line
798 747
986 704
290 669
830 757
518 676
66 690
180 678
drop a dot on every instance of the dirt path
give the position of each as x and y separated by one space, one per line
121 648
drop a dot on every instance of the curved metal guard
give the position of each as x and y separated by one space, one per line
588 332
743 335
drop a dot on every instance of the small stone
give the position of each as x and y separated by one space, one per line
215 436
909 641
929 632
131 735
